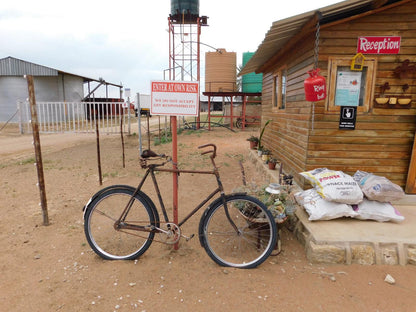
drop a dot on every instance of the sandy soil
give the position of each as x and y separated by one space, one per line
52 268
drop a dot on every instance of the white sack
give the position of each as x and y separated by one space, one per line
334 186
374 210
378 188
321 209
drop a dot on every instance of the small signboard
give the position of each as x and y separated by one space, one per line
348 88
379 45
174 98
347 118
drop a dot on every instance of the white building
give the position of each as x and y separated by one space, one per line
51 85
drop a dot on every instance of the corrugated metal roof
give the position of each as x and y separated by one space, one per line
11 66
283 30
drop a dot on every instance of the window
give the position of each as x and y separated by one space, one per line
279 89
350 88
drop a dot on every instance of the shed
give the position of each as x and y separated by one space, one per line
306 135
51 85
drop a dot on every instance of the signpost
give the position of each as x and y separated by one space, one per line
174 98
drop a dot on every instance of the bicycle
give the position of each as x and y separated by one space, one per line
249 120
236 230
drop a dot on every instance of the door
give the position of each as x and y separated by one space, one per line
411 176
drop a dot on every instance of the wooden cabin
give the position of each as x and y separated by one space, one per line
366 47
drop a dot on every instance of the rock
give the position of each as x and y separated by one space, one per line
389 279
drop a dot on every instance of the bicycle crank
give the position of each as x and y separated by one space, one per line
171 235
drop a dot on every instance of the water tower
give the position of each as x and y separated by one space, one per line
184 40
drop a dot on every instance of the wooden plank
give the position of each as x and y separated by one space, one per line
357 147
335 155
411 176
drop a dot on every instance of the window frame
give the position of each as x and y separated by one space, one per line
279 89
370 79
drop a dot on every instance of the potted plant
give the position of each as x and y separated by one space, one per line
272 163
265 155
254 141
262 132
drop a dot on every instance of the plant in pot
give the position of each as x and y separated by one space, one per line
262 132
254 141
272 163
265 155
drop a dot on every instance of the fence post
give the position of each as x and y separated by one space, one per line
36 139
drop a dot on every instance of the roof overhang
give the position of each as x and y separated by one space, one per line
284 33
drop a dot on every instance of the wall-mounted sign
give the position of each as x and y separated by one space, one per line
379 45
347 118
175 98
348 86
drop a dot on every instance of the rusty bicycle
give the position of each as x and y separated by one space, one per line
121 221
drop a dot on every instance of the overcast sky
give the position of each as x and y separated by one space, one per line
126 42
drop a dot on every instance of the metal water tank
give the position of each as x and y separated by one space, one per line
184 7
252 83
220 71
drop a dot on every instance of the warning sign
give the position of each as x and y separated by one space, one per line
175 98
347 118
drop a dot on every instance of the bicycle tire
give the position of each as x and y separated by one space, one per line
102 212
239 123
246 248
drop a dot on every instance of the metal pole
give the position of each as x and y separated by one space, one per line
139 123
173 121
121 133
38 153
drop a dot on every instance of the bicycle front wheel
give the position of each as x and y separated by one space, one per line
112 242
241 234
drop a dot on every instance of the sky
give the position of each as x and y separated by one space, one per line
127 42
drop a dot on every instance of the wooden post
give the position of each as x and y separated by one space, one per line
121 133
38 153
97 132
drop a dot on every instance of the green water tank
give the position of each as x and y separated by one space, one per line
252 83
184 6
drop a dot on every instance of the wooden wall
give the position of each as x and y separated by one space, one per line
383 138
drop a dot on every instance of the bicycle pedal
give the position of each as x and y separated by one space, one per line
188 238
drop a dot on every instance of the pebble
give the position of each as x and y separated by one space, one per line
389 279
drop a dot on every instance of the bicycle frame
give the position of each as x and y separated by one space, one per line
151 169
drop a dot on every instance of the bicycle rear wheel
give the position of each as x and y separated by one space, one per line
243 235
99 223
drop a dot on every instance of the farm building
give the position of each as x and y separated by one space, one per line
51 85
366 51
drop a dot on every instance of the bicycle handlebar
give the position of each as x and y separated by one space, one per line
213 151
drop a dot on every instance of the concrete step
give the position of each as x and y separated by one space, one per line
352 241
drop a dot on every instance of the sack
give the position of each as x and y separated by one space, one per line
334 186
378 188
321 209
374 210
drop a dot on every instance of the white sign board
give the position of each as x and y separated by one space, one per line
174 98
348 88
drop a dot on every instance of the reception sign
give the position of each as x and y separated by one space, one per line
379 45
174 98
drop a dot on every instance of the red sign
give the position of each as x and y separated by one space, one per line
379 45
175 98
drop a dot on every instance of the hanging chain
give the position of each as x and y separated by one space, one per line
315 65
316 51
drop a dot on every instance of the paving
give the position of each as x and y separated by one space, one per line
352 241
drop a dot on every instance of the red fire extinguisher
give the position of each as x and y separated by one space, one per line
315 86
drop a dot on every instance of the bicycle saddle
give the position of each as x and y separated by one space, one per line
148 154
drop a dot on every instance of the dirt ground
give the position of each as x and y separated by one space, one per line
52 268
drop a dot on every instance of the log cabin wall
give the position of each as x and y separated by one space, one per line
383 137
